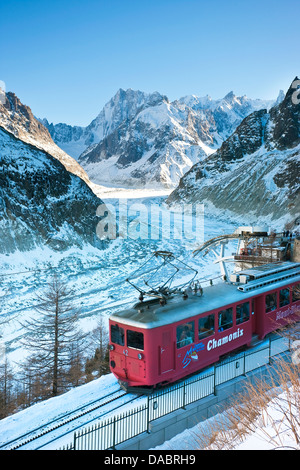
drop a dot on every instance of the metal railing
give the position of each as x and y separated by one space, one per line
112 431
107 434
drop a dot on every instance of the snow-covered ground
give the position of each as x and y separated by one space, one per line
272 429
105 192
42 413
98 278
99 282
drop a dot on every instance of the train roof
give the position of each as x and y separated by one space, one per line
150 314
259 272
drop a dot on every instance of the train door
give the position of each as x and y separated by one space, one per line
166 352
258 316
253 306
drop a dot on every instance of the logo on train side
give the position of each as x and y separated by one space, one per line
213 343
192 354
289 311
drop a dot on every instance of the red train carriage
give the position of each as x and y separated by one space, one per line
160 342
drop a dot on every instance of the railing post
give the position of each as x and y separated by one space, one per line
148 414
74 441
184 392
114 433
215 391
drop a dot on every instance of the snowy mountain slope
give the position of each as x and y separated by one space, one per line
18 119
123 106
224 115
140 139
41 203
153 148
255 170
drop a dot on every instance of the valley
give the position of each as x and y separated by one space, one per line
98 277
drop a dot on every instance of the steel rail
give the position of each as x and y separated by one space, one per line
61 421
87 422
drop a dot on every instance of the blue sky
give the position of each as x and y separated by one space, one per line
66 58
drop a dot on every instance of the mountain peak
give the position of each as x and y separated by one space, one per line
266 147
18 119
280 97
130 93
139 136
291 89
230 96
286 120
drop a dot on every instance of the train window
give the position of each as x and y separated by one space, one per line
296 293
185 334
242 313
225 319
271 302
206 326
117 335
135 340
284 297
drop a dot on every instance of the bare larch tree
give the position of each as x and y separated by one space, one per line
52 334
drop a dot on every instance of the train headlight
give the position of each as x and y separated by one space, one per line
111 347
140 356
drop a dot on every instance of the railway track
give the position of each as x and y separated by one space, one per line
60 427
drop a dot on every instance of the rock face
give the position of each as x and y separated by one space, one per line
42 203
152 149
122 107
256 170
18 119
143 139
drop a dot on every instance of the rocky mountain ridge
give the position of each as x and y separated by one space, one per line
143 139
75 140
42 203
255 170
18 119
